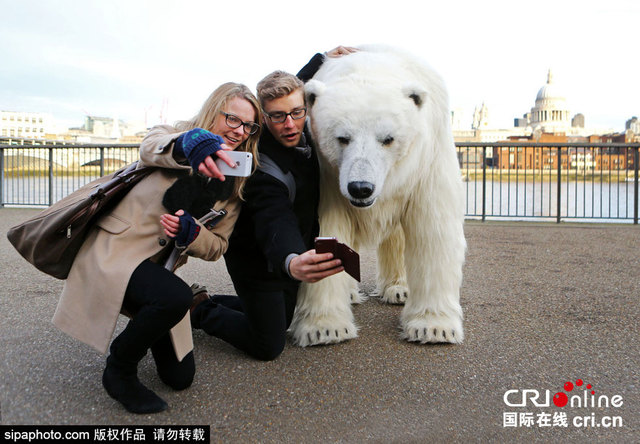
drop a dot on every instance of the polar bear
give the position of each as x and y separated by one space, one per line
389 179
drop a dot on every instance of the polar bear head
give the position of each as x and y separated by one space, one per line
378 117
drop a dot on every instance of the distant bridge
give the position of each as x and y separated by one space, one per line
68 156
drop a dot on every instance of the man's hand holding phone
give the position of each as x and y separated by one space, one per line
311 267
348 257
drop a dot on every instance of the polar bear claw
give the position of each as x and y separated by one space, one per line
395 294
323 331
432 328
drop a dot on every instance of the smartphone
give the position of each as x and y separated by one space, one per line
350 259
243 160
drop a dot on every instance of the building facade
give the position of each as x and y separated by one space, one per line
25 125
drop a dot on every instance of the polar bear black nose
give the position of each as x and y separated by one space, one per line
360 190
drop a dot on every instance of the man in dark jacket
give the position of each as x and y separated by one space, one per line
271 248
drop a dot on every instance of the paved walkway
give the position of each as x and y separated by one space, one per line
544 304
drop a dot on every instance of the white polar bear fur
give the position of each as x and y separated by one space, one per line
381 116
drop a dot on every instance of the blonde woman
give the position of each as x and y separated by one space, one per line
119 267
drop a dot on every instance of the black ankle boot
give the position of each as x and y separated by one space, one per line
122 384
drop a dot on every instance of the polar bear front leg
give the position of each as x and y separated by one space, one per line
392 281
323 312
434 257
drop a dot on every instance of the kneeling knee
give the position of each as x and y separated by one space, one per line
269 352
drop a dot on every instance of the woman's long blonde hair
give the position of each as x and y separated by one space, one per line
210 111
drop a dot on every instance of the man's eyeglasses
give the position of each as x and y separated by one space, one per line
234 121
281 116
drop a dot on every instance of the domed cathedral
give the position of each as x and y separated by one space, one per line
549 117
550 113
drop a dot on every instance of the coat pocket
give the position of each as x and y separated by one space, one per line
113 224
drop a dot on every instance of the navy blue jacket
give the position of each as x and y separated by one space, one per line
270 226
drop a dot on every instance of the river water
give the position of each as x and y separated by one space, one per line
578 200
505 200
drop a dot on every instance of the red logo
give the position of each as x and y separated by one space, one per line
561 399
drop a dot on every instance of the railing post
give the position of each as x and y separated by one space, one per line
484 183
101 161
559 187
636 159
1 177
50 176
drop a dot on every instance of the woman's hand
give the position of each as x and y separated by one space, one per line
182 227
199 147
209 168
171 223
311 267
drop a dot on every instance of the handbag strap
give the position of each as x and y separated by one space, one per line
129 174
126 177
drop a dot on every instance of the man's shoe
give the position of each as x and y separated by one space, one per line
199 295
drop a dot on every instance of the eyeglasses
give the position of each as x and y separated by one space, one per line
281 116
234 122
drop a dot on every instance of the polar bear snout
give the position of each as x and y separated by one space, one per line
360 193
361 190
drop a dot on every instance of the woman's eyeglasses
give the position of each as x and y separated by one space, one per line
234 121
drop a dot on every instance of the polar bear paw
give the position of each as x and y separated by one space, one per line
395 294
432 328
356 296
325 330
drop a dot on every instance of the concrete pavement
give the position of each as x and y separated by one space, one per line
544 304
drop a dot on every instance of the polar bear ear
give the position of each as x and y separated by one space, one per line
415 93
313 89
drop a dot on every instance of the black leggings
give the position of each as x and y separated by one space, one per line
158 300
255 322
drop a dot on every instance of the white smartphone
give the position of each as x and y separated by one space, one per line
243 161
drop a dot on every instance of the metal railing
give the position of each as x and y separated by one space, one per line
38 175
517 181
561 181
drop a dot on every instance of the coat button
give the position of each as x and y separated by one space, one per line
162 242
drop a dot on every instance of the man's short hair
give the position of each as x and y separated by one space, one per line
277 84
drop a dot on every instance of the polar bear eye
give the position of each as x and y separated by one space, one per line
344 140
387 141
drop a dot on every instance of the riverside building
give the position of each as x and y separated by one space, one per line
25 125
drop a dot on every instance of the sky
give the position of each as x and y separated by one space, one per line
153 61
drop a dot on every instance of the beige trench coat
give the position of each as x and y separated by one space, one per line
94 290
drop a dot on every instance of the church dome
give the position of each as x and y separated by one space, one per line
550 112
550 91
